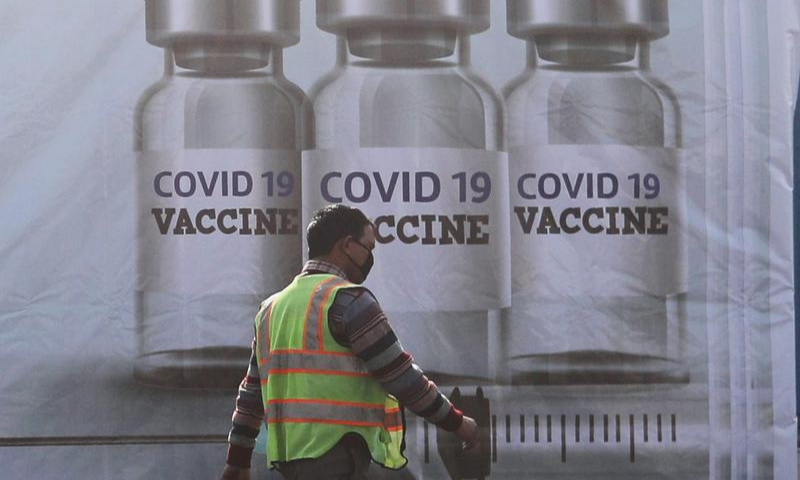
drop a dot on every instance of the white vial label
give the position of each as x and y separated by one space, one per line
441 217
217 228
598 221
598 236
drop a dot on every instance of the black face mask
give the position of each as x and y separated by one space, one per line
368 263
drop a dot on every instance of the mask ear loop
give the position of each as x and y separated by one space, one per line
360 267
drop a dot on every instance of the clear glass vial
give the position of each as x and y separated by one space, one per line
403 79
223 96
587 86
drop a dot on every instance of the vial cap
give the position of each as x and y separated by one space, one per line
466 16
643 18
275 22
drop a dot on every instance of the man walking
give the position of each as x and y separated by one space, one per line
327 372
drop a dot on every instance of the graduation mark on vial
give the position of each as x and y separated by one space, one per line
406 187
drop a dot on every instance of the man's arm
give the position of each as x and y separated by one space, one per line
357 321
247 418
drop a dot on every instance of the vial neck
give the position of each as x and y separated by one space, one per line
206 58
589 51
402 46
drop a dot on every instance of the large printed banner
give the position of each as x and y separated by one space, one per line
596 263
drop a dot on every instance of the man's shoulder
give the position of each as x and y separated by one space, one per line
269 301
350 294
352 308
352 303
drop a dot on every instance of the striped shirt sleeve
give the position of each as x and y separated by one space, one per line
358 322
247 416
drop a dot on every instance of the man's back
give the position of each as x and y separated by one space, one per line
317 391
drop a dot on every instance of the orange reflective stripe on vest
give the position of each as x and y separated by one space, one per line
393 419
340 412
348 413
314 322
299 360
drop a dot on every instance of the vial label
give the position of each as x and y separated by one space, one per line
441 217
598 221
598 236
218 230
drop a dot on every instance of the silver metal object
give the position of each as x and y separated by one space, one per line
467 16
645 18
260 21
223 34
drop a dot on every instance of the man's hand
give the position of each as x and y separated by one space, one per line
468 431
235 473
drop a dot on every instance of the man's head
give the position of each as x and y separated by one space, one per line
343 236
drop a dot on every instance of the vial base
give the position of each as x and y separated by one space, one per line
194 340
595 368
199 368
595 340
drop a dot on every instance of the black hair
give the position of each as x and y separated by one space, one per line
332 223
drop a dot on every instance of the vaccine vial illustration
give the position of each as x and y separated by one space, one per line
598 235
409 133
218 178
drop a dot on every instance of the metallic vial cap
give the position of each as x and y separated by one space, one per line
467 16
644 18
275 22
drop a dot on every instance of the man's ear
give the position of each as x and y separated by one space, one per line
342 242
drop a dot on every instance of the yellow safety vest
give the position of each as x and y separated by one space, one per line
314 390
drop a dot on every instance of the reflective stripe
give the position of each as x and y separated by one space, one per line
313 307
390 426
316 410
267 318
311 352
329 411
311 361
392 422
314 321
377 406
324 421
392 419
263 324
311 371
